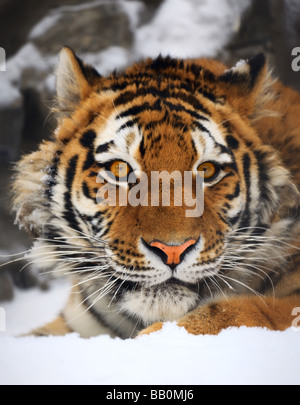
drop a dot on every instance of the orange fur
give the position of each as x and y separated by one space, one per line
57 327
274 314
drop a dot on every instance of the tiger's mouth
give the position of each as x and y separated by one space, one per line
171 282
166 301
193 281
195 288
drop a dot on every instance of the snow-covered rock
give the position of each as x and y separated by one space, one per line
191 28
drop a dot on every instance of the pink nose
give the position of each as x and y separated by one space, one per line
173 252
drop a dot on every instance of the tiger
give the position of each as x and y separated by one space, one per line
135 267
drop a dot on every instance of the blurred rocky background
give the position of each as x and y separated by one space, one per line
111 34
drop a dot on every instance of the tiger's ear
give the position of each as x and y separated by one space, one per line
74 81
248 86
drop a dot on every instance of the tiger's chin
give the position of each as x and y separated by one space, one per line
163 302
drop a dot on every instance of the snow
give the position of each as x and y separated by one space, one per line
181 28
103 61
168 357
171 357
33 308
28 57
190 28
133 9
9 94
44 25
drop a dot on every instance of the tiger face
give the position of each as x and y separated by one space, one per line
148 261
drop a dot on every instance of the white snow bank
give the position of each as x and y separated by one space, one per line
28 57
113 58
171 356
190 28
33 308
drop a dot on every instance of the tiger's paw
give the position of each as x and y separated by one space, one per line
155 327
264 312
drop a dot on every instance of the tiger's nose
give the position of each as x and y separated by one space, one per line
174 254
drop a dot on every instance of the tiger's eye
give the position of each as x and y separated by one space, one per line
209 169
119 169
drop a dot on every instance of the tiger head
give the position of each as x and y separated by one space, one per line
155 261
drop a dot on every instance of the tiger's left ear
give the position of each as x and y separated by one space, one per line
248 86
74 81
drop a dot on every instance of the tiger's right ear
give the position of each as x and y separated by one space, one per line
74 81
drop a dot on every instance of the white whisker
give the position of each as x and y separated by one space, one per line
242 284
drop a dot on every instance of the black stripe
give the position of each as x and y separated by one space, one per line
98 316
93 174
136 110
163 63
201 128
180 108
153 124
234 220
296 292
142 148
222 218
108 225
232 165
128 124
87 139
70 172
191 100
246 171
235 194
232 142
169 92
89 161
86 191
52 173
208 95
264 178
132 111
260 229
69 215
88 71
104 147
222 148
256 65
128 96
